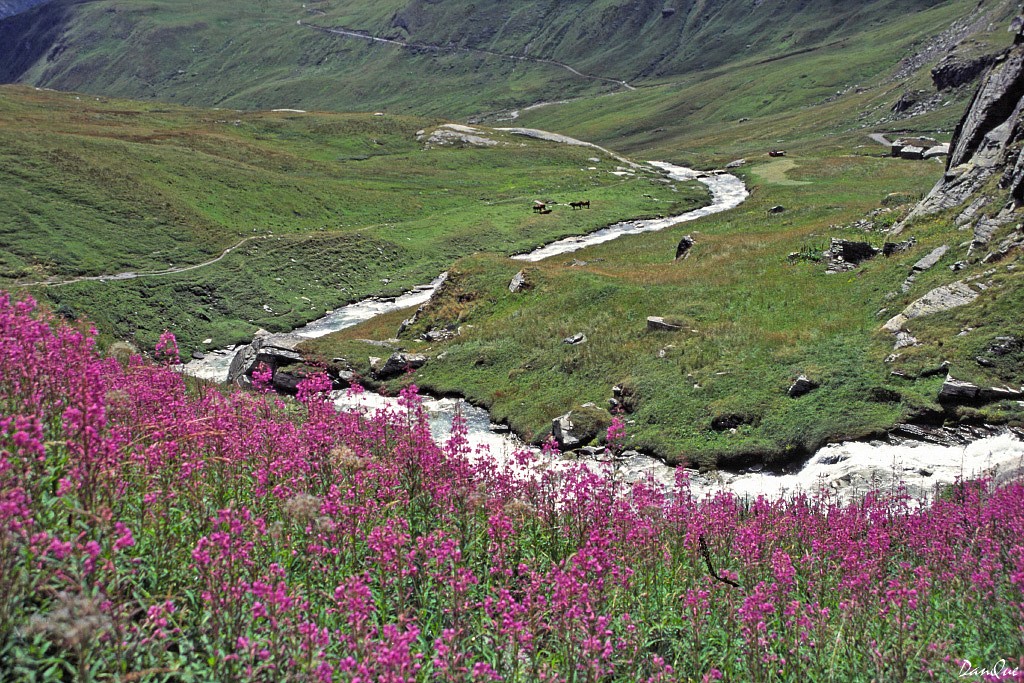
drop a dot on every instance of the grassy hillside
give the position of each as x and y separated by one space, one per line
331 208
335 207
721 114
753 321
486 56
12 7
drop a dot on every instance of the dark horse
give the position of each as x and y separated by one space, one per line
580 204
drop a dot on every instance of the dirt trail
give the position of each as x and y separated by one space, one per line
349 33
880 139
131 275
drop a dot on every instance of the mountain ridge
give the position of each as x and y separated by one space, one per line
267 55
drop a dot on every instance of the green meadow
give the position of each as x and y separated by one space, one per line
753 320
333 208
314 210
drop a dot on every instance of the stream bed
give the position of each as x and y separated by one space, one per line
847 469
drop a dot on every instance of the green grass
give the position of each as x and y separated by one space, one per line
256 55
341 205
342 202
753 321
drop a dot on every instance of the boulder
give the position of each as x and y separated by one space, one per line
578 338
518 282
736 164
939 299
956 70
905 340
399 363
579 426
777 209
658 324
844 255
242 364
1003 346
931 259
801 386
957 391
286 382
907 101
986 228
683 248
937 151
436 334
562 430
890 248
277 350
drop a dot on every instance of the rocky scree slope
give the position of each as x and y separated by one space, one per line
970 320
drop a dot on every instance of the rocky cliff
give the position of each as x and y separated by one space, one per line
969 319
986 145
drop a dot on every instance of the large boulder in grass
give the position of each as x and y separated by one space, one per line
656 323
580 426
518 283
399 363
958 391
273 350
683 248
801 386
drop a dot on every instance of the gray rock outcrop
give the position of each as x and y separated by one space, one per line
956 70
272 350
957 391
986 141
518 282
943 298
562 429
801 386
931 259
657 324
683 248
399 363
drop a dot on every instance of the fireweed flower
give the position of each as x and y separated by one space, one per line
151 524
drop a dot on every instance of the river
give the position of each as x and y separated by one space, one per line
847 470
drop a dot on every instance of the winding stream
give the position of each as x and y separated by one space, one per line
847 469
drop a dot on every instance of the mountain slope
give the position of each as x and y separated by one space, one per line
315 209
453 58
11 7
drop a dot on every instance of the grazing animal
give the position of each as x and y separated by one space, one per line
580 204
541 207
777 153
